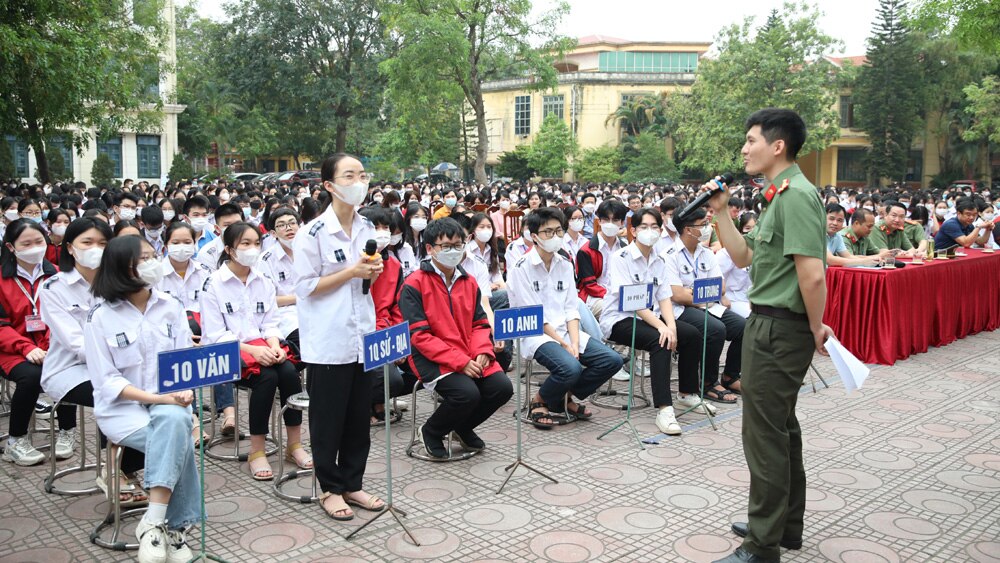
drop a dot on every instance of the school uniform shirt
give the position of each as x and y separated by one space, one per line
205 237
65 301
478 269
277 266
666 242
629 267
604 278
515 250
554 289
323 248
187 289
16 342
572 247
407 258
156 241
122 346
683 267
208 255
472 249
232 311
737 279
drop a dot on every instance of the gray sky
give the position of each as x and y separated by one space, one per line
686 20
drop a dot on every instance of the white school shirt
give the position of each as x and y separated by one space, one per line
232 311
209 254
667 240
277 266
407 259
737 279
187 289
683 268
122 346
332 324
472 249
475 267
515 250
629 267
554 289
604 277
65 300
573 246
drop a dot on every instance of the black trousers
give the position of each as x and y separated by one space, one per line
396 385
648 338
339 408
282 378
466 402
729 327
83 394
27 379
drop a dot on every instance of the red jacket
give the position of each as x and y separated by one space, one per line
52 254
15 341
589 267
385 293
447 329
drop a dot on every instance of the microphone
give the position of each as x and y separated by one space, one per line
371 247
702 199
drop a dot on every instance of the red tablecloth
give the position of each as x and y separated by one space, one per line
886 315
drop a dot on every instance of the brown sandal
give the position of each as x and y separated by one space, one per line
261 473
348 513
373 504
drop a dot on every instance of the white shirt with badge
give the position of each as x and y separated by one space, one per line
472 249
277 266
737 279
122 346
65 301
345 314
407 259
629 267
209 254
683 267
573 246
604 277
515 250
530 283
232 311
475 267
187 289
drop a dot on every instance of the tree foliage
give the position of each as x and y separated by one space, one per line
85 63
103 172
553 146
652 161
7 168
180 169
984 108
598 165
779 65
973 23
514 164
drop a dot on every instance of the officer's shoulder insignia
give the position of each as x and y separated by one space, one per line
884 228
852 238
90 314
314 230
784 186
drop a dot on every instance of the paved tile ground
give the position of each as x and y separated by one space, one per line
907 469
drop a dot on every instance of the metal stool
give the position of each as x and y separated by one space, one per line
113 519
83 465
270 448
298 401
609 391
419 453
560 418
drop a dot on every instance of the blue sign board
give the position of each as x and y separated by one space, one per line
635 297
707 290
518 323
387 345
200 366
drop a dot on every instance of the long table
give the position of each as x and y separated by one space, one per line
886 315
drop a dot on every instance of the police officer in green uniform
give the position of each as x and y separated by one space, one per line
857 237
787 249
890 233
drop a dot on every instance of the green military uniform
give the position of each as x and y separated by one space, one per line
778 348
914 232
858 246
882 238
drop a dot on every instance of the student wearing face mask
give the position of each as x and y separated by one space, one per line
414 224
574 239
225 215
10 213
518 247
592 260
196 214
450 201
668 234
502 199
58 221
126 207
152 228
399 248
278 265
239 304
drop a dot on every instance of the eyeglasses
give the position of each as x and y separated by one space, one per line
285 226
31 214
549 233
701 226
352 176
653 228
447 247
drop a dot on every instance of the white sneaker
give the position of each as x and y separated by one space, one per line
152 542
691 401
65 443
402 405
177 547
21 452
622 375
667 423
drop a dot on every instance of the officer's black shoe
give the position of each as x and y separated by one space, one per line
744 556
470 440
433 445
741 529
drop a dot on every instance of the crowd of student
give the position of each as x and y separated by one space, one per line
95 282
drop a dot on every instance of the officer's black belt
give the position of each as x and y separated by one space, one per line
778 313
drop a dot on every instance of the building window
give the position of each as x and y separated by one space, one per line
112 146
522 115
553 104
65 150
846 112
617 61
851 165
915 166
148 152
19 149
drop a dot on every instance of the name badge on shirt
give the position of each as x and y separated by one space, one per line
34 323
636 276
559 285
281 276
260 307
686 269
122 339
536 286
656 281
339 255
229 308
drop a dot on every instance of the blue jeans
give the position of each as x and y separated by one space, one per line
169 435
582 377
588 323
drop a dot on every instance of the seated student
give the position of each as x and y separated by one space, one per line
196 215
837 253
122 336
398 248
450 337
483 245
58 221
962 229
239 304
890 233
656 330
593 277
152 227
577 363
517 248
277 264
686 262
414 224
574 239
916 229
668 237
225 215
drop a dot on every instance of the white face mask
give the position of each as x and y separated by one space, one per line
484 235
12 215
88 257
352 195
395 239
589 208
247 256
154 233
180 252
988 216
33 255
551 245
169 215
668 222
647 237
382 239
610 229
576 225
126 213
504 205
526 235
150 271
199 223
418 224
246 211
59 230
450 258
287 243
706 233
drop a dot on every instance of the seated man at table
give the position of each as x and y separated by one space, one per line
857 237
890 234
960 230
450 336
837 253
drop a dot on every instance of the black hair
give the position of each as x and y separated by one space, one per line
152 216
446 227
279 213
75 229
411 210
682 220
784 124
126 195
612 209
860 215
962 205
124 224
920 214
54 214
638 215
746 218
669 204
889 204
25 203
494 262
232 236
178 226
227 209
379 216
14 230
534 220
195 201
835 208
569 210
116 277
327 172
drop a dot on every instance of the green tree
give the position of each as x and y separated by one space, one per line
889 93
652 161
57 165
514 164
598 164
974 23
103 172
984 107
84 64
779 65
7 169
180 169
553 146
457 45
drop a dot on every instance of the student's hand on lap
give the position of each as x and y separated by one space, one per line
473 370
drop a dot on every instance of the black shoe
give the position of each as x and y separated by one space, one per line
433 445
741 529
742 555
41 407
470 441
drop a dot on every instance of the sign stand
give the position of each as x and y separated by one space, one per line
632 298
382 348
508 321
813 381
196 368
705 291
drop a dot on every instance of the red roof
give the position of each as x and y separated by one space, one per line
858 60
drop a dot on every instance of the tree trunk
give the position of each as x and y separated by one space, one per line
41 160
483 142
341 137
